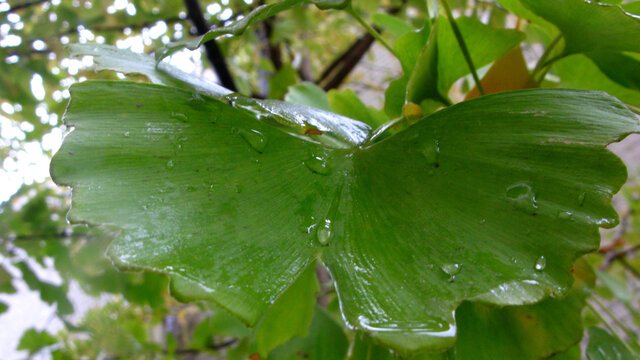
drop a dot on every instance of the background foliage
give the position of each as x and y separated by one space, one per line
132 314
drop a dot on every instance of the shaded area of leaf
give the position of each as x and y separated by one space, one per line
290 315
580 72
603 346
326 341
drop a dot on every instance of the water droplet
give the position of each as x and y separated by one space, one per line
196 99
541 263
324 232
238 188
431 152
127 134
255 139
452 270
179 116
565 215
581 198
523 198
318 164
169 165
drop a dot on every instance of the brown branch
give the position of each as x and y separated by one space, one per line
339 69
335 74
214 54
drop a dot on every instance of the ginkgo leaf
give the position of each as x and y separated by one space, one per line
491 199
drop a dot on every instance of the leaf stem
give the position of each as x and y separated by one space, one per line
613 332
545 55
349 9
463 46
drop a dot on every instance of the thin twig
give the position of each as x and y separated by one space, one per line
463 46
26 5
214 54
349 9
545 55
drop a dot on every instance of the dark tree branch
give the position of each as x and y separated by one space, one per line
214 54
26 4
272 50
339 69
335 74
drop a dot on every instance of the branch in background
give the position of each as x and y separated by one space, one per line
271 50
214 54
335 74
339 69
26 5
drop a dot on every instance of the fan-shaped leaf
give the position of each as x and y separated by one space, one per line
491 199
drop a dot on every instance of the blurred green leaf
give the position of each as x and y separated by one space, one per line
347 103
33 341
308 94
603 346
326 341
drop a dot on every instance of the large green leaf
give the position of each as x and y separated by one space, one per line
589 26
490 199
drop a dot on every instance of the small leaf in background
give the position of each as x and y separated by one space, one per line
49 293
409 46
347 103
507 73
290 315
603 346
325 341
618 289
331 4
394 25
3 307
237 27
33 341
422 81
6 286
281 80
394 97
308 94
